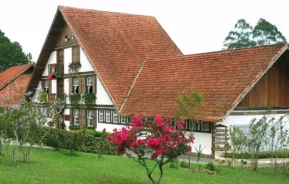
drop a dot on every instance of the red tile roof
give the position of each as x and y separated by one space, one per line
15 90
222 77
116 43
12 73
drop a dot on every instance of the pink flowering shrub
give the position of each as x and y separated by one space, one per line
156 140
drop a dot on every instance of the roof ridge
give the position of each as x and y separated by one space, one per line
105 11
215 52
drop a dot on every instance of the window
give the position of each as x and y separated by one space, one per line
76 116
205 127
89 84
75 85
123 119
107 117
115 117
89 118
100 116
46 86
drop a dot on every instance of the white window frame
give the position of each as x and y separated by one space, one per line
205 127
89 84
123 119
101 116
115 117
89 118
46 86
75 84
76 116
108 116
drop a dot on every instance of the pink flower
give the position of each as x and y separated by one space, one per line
190 148
159 121
180 123
104 130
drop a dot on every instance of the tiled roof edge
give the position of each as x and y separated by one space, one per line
258 77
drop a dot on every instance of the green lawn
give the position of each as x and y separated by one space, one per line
49 166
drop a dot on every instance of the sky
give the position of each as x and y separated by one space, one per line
194 25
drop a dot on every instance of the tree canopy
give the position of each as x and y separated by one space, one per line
11 53
244 35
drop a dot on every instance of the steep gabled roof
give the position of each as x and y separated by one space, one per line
12 73
224 78
115 44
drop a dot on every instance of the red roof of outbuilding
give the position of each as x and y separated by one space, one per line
12 73
223 78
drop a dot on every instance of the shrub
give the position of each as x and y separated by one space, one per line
210 166
74 127
184 164
174 164
246 155
157 139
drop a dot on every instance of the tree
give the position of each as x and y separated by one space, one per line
240 37
152 140
266 33
244 36
188 108
11 53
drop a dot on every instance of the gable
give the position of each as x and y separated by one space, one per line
114 43
272 89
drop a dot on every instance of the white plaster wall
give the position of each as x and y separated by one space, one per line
243 120
102 97
51 60
35 96
85 64
53 86
67 59
108 127
203 139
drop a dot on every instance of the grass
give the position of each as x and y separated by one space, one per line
49 166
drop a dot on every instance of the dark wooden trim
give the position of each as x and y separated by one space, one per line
259 108
80 74
65 47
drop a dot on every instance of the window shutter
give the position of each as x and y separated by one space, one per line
94 84
83 117
83 84
94 118
79 85
70 85
71 117
50 86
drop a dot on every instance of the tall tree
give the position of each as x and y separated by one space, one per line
266 33
240 37
243 35
11 53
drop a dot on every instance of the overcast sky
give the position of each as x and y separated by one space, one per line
195 26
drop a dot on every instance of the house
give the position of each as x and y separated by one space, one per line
129 65
109 49
14 83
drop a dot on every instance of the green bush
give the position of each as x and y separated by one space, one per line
175 164
246 155
74 127
77 141
210 166
184 164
